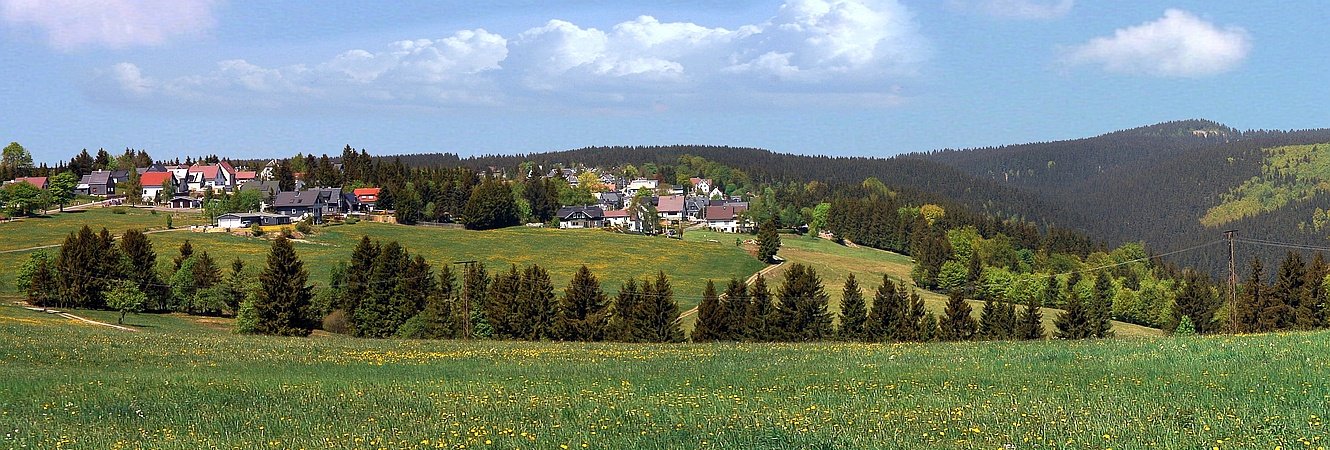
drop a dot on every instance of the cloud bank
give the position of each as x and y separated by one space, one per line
72 24
1177 45
836 46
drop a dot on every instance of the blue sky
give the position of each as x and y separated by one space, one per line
841 77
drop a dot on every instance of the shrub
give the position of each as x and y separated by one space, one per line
351 220
256 231
247 320
118 210
337 322
304 227
1185 327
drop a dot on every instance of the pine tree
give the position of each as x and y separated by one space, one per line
236 286
1101 307
929 328
853 312
989 321
501 309
622 316
141 267
1291 289
584 308
802 306
537 307
490 206
356 284
186 251
205 275
760 316
957 324
884 314
1074 322
911 326
1251 300
415 286
659 319
408 205
768 241
283 298
376 315
36 279
710 316
1196 301
1052 294
974 272
473 298
735 303
437 319
1316 276
1031 323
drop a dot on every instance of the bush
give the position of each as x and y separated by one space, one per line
304 227
286 232
351 220
247 320
118 210
255 231
1185 327
337 322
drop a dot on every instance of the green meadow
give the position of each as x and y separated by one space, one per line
185 383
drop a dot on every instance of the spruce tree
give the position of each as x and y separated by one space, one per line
989 321
883 316
206 277
437 319
237 285
912 326
1074 322
735 303
414 288
141 268
768 241
929 328
1101 308
1292 291
853 312
501 309
37 279
760 316
659 318
710 316
1051 296
377 316
186 251
1031 323
622 315
974 272
283 298
583 311
472 300
537 307
1196 301
802 306
956 323
1251 300
356 284
1316 286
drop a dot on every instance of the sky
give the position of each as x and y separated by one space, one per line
255 79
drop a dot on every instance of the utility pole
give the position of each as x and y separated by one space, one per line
1232 281
466 299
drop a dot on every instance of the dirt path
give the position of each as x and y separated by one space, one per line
39 247
78 318
749 281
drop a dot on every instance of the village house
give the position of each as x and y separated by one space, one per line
185 202
317 204
97 183
670 207
233 221
619 218
581 217
153 184
368 197
38 182
727 219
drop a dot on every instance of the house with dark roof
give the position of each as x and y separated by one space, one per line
581 217
610 200
120 176
97 183
185 202
313 203
154 167
670 207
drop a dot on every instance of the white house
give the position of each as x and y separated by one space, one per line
641 183
153 182
726 219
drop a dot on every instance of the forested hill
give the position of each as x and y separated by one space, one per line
918 178
1174 184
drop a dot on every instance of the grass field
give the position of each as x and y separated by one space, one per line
614 258
182 384
38 231
834 263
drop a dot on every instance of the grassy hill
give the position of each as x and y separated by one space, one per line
38 231
614 258
834 263
178 383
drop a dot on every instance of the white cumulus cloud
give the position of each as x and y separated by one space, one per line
71 24
1176 45
845 47
1017 9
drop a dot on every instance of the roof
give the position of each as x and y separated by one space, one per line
154 167
250 215
616 213
226 166
98 177
149 179
288 199
366 191
209 171
39 182
246 175
593 212
723 212
671 203
697 181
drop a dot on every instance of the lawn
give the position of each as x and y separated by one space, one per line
178 384
834 263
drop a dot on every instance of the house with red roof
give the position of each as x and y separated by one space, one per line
155 183
727 218
368 197
38 182
220 176
670 207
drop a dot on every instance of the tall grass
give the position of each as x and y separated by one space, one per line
179 385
